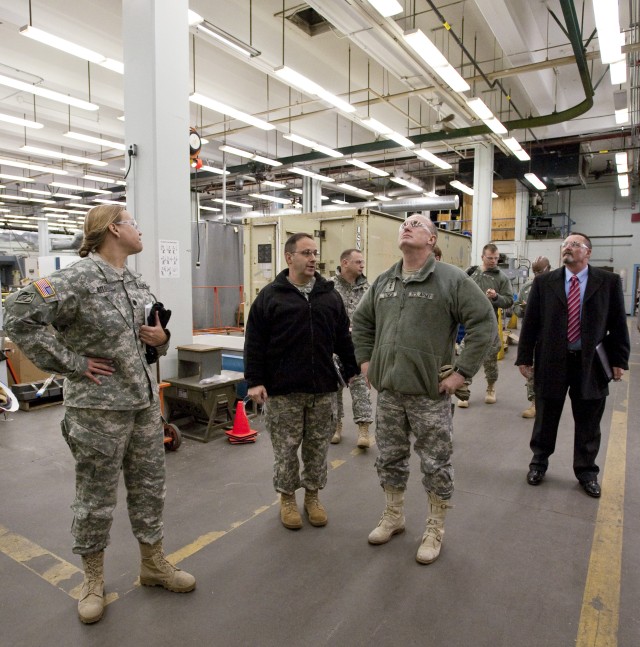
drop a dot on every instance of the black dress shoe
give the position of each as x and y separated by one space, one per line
592 488
534 477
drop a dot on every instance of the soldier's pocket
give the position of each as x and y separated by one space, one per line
85 442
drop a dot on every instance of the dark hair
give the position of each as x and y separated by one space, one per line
489 247
347 253
586 238
292 241
96 225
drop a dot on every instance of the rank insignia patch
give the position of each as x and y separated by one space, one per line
45 288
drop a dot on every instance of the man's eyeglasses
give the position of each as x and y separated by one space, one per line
133 223
308 253
412 224
574 244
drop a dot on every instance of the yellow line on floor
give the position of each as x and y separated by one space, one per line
599 617
43 563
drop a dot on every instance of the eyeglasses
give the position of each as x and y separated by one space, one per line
308 253
412 224
133 223
574 244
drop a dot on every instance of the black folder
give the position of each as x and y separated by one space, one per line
604 361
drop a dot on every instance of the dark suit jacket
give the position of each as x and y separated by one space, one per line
543 338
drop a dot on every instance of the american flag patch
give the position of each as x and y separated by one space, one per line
45 288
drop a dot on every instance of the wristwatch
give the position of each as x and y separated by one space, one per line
459 370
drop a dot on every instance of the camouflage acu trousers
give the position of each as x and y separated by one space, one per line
489 363
306 421
531 393
102 442
398 415
360 401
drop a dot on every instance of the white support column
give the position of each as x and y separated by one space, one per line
156 99
43 236
482 189
311 192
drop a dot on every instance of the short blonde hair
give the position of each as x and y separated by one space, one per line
96 226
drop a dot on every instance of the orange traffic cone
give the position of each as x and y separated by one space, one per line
241 429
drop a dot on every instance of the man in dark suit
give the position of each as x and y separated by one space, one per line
566 319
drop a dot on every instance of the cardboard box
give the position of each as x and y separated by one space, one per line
24 369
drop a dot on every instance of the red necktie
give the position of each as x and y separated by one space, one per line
573 301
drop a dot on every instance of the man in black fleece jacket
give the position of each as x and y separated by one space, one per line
295 326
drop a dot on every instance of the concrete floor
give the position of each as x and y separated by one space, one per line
516 563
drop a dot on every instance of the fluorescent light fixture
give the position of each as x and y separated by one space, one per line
99 141
19 198
56 210
221 36
68 196
324 197
367 167
533 179
409 185
47 94
623 181
386 7
432 56
75 187
213 169
41 201
104 178
494 195
608 25
225 109
36 191
336 201
297 191
242 153
270 198
71 48
456 184
275 185
244 205
79 206
194 18
5 210
622 116
380 128
354 189
44 152
311 174
618 72
33 167
10 119
306 85
430 157
17 178
514 145
622 163
480 108
209 209
309 143
496 125
382 198
106 201
624 193
620 107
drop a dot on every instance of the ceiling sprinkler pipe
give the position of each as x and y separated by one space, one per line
442 202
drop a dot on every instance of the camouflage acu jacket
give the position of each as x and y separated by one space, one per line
87 310
350 293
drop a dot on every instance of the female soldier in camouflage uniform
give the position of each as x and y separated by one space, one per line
87 322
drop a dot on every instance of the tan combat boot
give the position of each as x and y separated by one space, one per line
289 513
531 411
314 509
432 538
490 398
363 435
91 603
463 404
155 570
337 436
392 520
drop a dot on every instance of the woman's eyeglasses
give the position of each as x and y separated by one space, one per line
133 223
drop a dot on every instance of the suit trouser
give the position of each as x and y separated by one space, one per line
586 416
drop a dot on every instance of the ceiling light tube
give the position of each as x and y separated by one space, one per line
104 178
311 174
533 179
623 181
71 48
336 201
244 205
313 145
41 201
213 169
622 163
17 178
386 7
19 198
456 184
79 206
624 193
44 152
99 141
382 198
33 167
270 198
19 122
608 25
297 191
409 185
47 94
618 71
306 85
221 36
106 201
75 187
514 145
194 18
225 109
209 209
242 153
67 196
355 189
480 108
430 157
367 167
381 129
275 185
36 191
496 125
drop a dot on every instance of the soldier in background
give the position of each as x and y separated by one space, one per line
539 266
351 284
294 327
112 419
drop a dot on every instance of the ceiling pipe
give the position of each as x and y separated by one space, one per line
573 31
